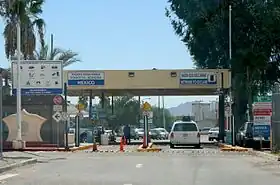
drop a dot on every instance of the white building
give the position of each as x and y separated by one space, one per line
200 110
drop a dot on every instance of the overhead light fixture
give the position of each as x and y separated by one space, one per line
131 74
173 74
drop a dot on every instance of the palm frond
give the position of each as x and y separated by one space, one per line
28 12
68 57
55 53
40 24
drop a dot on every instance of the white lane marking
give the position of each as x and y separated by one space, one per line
127 184
139 165
6 176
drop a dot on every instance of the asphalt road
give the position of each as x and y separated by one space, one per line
203 139
192 167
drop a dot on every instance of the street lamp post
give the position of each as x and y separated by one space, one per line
18 138
230 93
18 143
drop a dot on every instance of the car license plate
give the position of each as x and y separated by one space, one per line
185 135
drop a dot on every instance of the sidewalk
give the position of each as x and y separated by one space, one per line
83 146
11 162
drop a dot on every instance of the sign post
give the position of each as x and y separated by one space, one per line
147 110
34 77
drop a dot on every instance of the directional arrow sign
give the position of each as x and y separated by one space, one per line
57 116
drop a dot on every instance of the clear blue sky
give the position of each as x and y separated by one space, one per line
116 34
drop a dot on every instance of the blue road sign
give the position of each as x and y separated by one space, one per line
85 78
261 130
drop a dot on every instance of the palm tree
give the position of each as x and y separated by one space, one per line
67 57
28 12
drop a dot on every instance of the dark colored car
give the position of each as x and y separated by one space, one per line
253 135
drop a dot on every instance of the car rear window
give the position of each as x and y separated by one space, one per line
181 127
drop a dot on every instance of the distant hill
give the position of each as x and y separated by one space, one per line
182 109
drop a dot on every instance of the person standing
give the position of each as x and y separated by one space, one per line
126 132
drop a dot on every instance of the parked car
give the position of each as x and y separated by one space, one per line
205 130
213 134
252 134
139 133
154 134
133 134
163 134
184 133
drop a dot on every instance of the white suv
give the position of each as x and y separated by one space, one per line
184 133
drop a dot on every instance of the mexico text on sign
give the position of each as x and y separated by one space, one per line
86 78
198 78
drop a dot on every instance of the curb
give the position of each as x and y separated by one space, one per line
113 151
148 149
19 164
229 148
80 148
264 155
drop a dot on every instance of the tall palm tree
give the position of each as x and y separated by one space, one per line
68 57
28 12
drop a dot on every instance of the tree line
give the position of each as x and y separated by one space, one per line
203 26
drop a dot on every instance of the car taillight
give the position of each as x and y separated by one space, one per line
171 135
198 134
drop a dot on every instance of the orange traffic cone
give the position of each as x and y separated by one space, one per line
121 145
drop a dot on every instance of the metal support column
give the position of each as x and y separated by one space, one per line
102 100
222 111
66 120
112 104
90 105
275 122
139 112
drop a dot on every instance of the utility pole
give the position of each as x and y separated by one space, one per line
18 143
275 122
232 125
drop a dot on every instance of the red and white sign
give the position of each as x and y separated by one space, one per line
262 112
57 100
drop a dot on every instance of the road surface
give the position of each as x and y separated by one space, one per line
203 139
205 166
